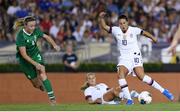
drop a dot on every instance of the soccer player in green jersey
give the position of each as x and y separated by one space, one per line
29 56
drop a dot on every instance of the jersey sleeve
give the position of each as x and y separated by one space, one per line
20 41
87 93
113 30
138 31
105 86
39 32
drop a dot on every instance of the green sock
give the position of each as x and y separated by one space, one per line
48 87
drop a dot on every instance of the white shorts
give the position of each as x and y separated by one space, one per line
131 62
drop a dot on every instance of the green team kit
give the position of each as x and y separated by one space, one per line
29 41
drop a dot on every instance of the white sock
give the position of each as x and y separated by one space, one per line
121 95
125 89
152 83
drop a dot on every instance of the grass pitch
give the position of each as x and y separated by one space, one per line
86 107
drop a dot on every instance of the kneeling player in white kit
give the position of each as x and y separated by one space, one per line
100 93
130 60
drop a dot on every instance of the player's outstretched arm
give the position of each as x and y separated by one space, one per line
102 22
175 40
30 60
51 41
147 34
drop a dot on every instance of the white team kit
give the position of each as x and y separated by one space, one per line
97 91
130 55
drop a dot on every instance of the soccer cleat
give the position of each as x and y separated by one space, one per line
129 102
134 94
53 102
168 94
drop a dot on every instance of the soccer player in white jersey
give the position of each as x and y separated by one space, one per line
130 60
101 93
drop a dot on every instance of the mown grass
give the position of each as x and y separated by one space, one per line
86 107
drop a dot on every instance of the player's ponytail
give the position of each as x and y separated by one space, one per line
18 23
23 21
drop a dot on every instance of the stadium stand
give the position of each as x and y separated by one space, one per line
79 17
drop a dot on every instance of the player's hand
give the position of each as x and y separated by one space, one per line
172 50
57 48
102 14
40 67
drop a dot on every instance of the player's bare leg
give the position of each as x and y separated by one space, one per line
37 83
147 79
122 72
110 95
116 92
41 83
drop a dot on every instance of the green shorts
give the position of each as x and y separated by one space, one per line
28 69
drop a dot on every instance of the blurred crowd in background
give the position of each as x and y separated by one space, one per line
75 21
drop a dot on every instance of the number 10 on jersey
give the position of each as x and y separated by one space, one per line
124 42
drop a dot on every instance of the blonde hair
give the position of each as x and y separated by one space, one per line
18 23
23 21
86 85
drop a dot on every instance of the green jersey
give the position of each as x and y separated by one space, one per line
29 41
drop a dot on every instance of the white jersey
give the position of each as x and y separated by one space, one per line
127 42
96 92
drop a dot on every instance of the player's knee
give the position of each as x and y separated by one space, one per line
121 76
43 76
